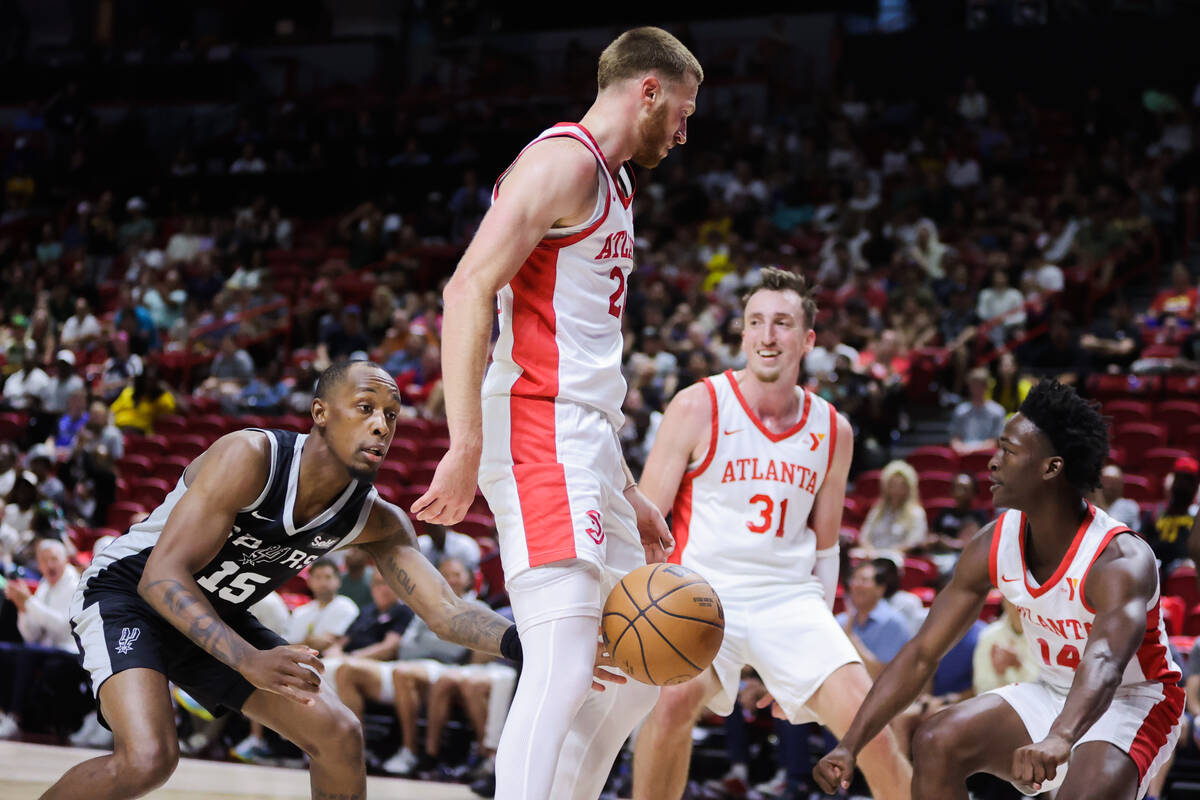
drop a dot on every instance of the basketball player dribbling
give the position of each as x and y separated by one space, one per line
556 249
1104 714
755 469
170 599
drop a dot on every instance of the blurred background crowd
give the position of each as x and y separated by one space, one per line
199 215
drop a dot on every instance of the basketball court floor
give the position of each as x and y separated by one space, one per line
27 770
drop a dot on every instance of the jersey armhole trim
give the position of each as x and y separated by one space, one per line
994 553
363 515
833 426
270 472
691 475
1108 537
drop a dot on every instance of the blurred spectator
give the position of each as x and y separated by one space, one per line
9 468
344 339
356 580
44 616
821 360
1002 654
1179 300
1001 305
876 630
441 543
120 368
134 319
907 603
230 371
952 527
64 383
1114 340
138 227
896 522
1168 534
81 329
1009 387
977 422
1110 497
321 623
248 161
266 393
1059 355
137 406
18 513
41 462
972 103
99 431
27 388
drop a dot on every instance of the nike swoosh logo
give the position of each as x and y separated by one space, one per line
256 515
730 433
1009 580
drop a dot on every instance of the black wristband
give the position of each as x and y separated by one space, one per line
510 645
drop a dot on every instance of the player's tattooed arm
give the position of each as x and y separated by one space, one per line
188 610
390 541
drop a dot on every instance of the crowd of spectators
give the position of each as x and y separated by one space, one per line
958 250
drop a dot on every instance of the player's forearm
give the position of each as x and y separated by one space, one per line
895 688
473 626
1095 683
180 602
466 328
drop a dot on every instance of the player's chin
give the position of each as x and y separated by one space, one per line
363 472
648 160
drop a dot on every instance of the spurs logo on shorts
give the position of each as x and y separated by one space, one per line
128 637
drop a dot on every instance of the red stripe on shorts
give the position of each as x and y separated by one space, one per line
1152 736
541 480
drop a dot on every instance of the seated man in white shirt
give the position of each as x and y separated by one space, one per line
319 624
43 618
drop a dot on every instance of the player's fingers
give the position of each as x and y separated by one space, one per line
764 701
597 686
296 695
423 502
308 657
611 677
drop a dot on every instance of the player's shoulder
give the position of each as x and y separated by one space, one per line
387 522
236 458
1129 553
555 159
694 402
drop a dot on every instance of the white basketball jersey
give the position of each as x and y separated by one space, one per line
560 316
1055 616
741 515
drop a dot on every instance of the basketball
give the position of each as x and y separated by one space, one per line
663 624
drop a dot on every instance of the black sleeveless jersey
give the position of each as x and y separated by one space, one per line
264 548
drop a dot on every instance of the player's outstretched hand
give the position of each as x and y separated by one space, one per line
1036 763
292 670
452 489
835 770
768 700
656 537
605 669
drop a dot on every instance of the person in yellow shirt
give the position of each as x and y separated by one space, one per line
137 406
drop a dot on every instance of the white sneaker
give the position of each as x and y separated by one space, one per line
9 728
403 763
92 734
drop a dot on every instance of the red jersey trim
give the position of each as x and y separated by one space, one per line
691 475
1156 729
1063 565
994 552
833 426
681 521
1108 537
774 437
625 199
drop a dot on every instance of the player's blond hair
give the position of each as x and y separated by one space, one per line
773 279
648 49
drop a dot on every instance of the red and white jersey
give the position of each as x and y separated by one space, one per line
1055 616
560 316
741 515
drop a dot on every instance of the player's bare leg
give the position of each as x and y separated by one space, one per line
882 762
1100 771
977 735
664 745
327 731
137 706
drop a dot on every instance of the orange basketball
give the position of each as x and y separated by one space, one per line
663 624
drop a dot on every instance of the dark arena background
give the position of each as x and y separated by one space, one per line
205 204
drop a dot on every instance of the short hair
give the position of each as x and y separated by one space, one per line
1075 428
47 543
887 575
774 279
647 49
324 562
335 374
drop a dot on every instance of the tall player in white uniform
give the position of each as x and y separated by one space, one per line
556 249
1105 713
754 468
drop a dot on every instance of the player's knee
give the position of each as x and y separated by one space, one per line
678 707
148 763
934 740
335 733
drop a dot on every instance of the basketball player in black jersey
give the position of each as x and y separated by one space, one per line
169 600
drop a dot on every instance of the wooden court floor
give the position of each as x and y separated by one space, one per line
27 770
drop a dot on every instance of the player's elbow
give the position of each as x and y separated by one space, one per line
467 286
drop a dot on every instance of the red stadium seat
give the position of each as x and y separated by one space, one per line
926 593
150 446
169 468
402 450
189 446
150 492
432 449
13 425
293 600
1191 624
917 572
209 427
977 462
991 607
1158 462
132 465
1126 411
171 425
983 490
1140 489
933 458
422 472
1111 387
120 512
294 422
853 513
1135 438
477 526
935 505
411 428
866 486
493 580
935 485
1184 386
1182 583
1178 416
480 505
392 473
